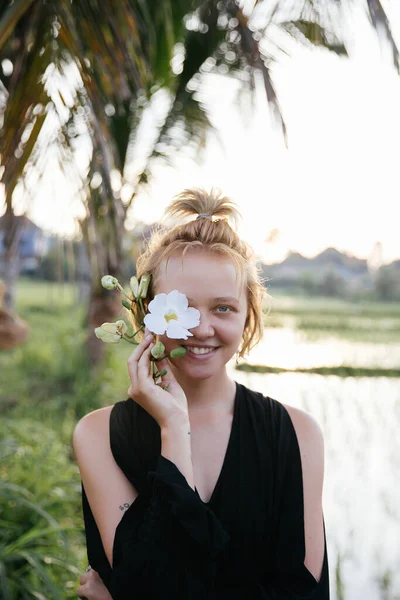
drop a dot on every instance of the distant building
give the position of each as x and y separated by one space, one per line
32 244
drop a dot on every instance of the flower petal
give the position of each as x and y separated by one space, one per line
110 327
178 301
158 304
155 323
190 318
177 332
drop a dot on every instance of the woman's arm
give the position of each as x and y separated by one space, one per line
299 569
311 445
108 491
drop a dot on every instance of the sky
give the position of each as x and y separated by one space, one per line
337 183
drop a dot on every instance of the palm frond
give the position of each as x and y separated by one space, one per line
380 22
10 16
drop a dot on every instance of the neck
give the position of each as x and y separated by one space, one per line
215 394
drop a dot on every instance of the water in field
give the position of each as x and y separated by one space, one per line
290 348
360 418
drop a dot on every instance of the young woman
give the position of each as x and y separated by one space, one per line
207 490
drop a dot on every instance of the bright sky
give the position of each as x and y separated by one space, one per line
336 185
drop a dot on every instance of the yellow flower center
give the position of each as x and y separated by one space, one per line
170 316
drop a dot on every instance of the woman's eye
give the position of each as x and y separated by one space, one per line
224 309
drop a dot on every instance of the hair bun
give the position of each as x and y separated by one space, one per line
199 202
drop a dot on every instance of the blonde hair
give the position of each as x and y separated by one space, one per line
214 235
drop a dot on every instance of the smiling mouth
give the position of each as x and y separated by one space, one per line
201 350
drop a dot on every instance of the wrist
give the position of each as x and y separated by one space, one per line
176 425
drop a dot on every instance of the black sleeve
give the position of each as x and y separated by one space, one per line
166 542
288 578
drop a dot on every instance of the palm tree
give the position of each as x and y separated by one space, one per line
93 68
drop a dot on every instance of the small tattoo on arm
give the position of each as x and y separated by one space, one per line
124 506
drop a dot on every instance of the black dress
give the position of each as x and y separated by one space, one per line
247 542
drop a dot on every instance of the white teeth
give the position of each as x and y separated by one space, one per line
195 350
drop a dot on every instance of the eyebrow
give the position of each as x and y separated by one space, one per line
221 299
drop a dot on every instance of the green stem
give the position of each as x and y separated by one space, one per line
154 370
121 289
140 302
131 340
136 332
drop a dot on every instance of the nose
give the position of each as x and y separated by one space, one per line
205 329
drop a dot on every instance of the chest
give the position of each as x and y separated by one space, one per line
210 443
233 470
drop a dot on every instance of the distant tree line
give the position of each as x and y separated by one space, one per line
383 284
68 262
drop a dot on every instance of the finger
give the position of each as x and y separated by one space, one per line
144 367
80 592
95 574
138 351
92 575
133 364
84 578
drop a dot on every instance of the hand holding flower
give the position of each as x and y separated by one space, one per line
161 404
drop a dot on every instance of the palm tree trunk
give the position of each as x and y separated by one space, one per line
12 228
10 276
104 255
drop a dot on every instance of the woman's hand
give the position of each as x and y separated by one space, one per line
162 405
92 587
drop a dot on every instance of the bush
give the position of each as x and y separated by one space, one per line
41 530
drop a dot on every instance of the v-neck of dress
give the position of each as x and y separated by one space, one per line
228 448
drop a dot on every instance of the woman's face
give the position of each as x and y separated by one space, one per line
209 282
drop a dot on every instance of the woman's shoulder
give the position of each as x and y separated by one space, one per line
93 422
308 433
284 419
300 416
104 424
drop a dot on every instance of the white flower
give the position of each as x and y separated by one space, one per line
170 314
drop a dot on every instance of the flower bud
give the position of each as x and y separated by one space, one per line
177 352
158 350
122 327
163 372
109 282
111 333
129 328
134 285
144 285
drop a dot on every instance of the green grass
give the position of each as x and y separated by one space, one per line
46 385
42 543
374 322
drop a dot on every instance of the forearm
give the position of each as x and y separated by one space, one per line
176 446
